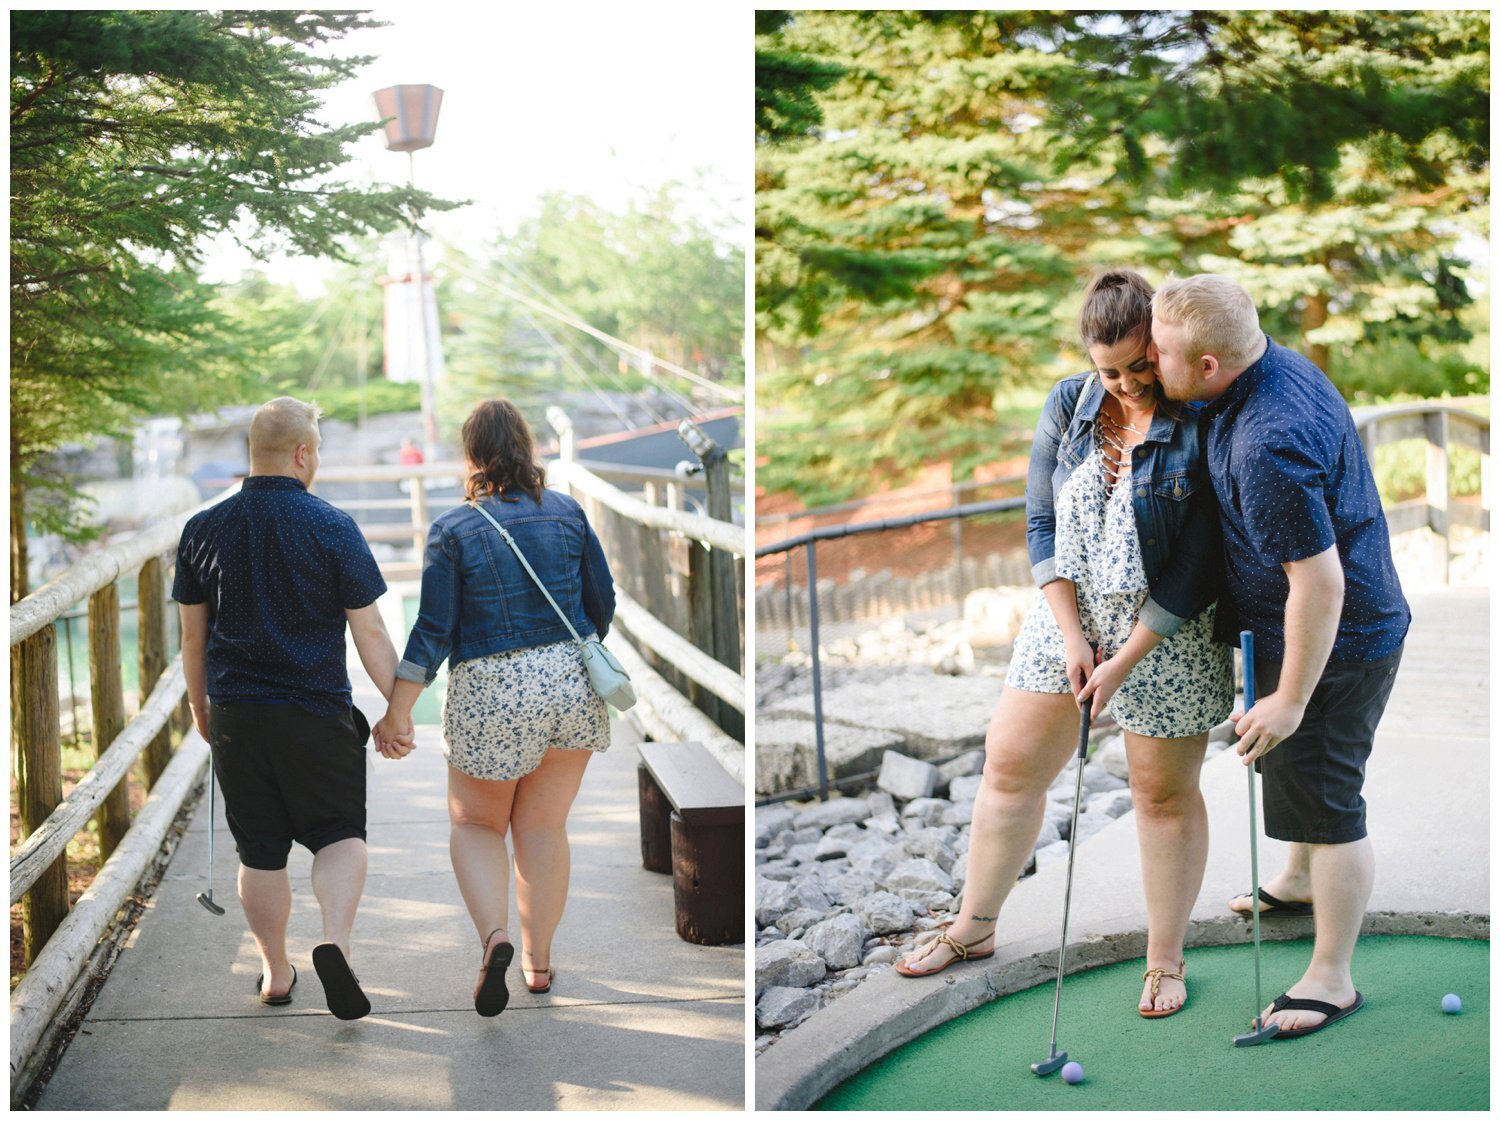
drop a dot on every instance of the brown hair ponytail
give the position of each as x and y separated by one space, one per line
500 447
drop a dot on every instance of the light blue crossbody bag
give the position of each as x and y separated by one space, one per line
606 675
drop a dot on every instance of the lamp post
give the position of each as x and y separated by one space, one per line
410 114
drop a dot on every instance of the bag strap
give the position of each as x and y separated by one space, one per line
1088 383
520 556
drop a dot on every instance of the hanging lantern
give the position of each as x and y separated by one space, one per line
412 113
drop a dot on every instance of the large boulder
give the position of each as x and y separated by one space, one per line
965 788
835 811
885 913
772 820
839 941
788 963
773 898
904 777
780 1006
918 874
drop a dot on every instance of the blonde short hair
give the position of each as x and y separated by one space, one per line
1217 316
279 426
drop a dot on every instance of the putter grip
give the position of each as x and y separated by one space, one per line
1083 728
1247 654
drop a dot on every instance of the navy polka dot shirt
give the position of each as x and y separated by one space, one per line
277 567
1293 481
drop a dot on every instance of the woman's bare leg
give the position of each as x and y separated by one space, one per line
1172 824
479 811
539 826
1029 739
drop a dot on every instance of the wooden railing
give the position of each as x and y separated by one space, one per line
59 941
679 598
1443 426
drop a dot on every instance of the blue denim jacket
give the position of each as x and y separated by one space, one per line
478 600
1176 518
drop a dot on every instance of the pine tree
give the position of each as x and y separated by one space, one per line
924 252
134 136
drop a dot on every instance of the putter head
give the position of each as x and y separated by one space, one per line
1259 1033
207 899
1042 1069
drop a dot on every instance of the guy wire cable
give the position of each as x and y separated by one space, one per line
571 320
689 407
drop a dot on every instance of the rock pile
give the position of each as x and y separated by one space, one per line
845 888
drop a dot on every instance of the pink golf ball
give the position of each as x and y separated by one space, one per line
1072 1073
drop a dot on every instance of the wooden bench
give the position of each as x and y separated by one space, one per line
693 826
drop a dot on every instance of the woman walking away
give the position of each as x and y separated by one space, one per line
1122 534
520 719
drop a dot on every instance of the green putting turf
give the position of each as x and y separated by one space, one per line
1400 1051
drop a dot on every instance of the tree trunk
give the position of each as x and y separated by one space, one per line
1314 315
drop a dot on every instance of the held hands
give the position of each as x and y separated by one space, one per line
395 735
1270 720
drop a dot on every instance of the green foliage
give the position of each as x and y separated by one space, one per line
135 135
349 402
785 84
926 249
310 344
651 275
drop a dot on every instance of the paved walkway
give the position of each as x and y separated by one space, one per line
638 1019
1427 786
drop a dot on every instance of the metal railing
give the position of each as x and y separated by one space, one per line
1442 425
810 540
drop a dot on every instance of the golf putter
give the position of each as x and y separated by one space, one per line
1261 1031
1056 1059
207 897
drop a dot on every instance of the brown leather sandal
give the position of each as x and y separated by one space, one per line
961 952
1155 977
492 996
543 988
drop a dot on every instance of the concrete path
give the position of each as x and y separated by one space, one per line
1427 786
637 1019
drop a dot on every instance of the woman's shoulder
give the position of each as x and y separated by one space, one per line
557 503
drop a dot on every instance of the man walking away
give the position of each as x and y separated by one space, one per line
266 582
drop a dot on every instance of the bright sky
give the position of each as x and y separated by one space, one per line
599 100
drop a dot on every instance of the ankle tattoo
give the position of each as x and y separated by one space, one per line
984 918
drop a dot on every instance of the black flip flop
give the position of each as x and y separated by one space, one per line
1285 1003
284 998
346 999
1274 906
493 996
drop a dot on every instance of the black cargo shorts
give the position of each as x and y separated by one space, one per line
1312 780
288 775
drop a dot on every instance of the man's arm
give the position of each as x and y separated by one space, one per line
376 651
194 619
1314 602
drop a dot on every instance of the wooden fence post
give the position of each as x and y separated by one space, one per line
1437 485
419 518
152 619
38 733
716 602
109 708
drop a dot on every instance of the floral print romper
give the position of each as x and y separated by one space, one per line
1185 685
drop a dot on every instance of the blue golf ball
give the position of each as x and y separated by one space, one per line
1073 1072
1451 1003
